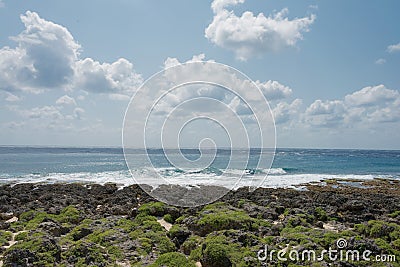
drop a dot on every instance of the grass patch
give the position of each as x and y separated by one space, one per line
173 259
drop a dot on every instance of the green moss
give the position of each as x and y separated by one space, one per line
101 236
76 231
320 214
297 220
146 245
31 219
175 230
152 208
115 252
216 252
228 248
126 225
69 215
379 229
21 236
396 244
219 216
241 203
191 244
140 218
180 219
5 236
394 214
150 235
82 252
161 242
152 226
196 254
16 226
383 244
39 217
46 250
173 259
168 218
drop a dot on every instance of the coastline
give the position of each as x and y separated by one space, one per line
49 224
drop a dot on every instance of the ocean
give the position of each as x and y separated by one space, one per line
291 167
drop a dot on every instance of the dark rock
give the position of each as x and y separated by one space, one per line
4 225
81 233
6 216
53 228
19 257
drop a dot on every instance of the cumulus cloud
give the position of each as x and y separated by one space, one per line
47 57
370 105
325 107
45 112
372 95
43 58
393 48
284 112
66 101
250 35
118 77
219 5
273 90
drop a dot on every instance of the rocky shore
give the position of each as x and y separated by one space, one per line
101 225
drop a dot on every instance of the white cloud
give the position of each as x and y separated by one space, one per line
380 61
273 90
365 108
393 48
250 35
119 97
1 3
78 113
66 101
325 107
371 95
12 98
284 112
45 112
219 5
44 57
115 78
47 57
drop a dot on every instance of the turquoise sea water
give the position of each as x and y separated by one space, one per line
101 165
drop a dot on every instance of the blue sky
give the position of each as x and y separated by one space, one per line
335 64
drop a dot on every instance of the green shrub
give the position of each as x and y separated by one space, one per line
320 214
218 216
394 214
5 236
172 259
21 236
191 244
69 215
152 208
45 249
168 218
216 255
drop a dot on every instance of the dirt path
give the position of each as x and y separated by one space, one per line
164 224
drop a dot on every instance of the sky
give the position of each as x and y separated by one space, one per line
329 69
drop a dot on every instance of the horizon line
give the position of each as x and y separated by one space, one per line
121 147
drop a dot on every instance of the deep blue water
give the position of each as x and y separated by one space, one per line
290 166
